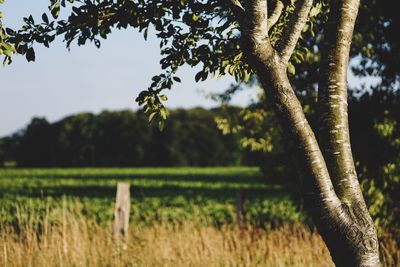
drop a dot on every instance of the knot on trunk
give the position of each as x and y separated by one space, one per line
358 228
351 237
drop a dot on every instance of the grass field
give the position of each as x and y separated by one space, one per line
179 217
158 194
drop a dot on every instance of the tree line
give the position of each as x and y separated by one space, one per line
124 138
192 138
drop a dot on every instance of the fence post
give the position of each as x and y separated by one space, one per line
240 211
122 208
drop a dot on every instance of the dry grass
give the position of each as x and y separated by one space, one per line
76 241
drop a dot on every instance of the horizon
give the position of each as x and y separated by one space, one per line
96 113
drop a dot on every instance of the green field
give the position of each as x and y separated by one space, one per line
179 217
205 195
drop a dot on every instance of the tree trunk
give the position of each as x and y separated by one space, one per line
345 226
360 239
331 187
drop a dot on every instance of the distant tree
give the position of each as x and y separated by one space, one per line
245 38
123 138
198 141
119 139
2 152
74 139
37 142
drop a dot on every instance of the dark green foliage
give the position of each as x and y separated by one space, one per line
372 148
37 143
378 43
124 139
2 152
376 143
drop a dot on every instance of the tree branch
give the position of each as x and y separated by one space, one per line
258 24
276 13
332 95
237 4
317 180
272 73
254 29
237 10
293 30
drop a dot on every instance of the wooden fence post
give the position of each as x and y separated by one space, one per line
240 211
122 208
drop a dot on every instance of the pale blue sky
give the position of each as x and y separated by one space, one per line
61 83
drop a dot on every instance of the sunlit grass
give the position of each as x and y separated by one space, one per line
76 241
158 194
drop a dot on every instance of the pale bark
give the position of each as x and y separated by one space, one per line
332 94
276 13
335 138
332 191
293 30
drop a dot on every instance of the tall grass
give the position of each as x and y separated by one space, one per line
75 240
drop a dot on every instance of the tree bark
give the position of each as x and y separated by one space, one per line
332 94
331 187
335 138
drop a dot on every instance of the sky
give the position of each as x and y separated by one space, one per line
87 79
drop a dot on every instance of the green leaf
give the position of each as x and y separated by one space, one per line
163 113
315 10
152 115
7 59
30 54
198 76
156 78
21 48
55 8
195 17
291 69
201 76
7 46
177 79
145 32
45 18
246 76
7 49
161 125
10 31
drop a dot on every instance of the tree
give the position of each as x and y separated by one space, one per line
38 142
248 38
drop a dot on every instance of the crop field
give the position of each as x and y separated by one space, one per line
179 217
207 195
